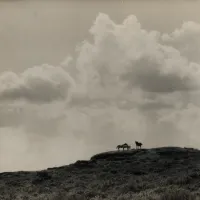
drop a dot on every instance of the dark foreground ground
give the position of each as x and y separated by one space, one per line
168 173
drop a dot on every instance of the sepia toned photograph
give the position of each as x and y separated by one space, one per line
99 100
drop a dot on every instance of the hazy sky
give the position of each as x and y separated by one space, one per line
80 77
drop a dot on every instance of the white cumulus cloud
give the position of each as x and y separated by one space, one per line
38 84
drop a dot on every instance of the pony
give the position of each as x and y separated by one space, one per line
138 144
123 146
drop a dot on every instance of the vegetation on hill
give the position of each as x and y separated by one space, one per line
167 173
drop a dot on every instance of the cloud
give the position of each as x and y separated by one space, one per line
40 84
132 70
148 74
186 40
121 58
125 56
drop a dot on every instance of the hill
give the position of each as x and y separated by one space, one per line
167 173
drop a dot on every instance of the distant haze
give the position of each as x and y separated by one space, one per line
80 77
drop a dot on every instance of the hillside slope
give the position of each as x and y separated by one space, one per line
160 173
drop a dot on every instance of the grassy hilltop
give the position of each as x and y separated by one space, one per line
167 173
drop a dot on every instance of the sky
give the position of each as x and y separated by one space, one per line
80 77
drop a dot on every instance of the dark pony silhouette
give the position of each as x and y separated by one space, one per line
138 144
123 146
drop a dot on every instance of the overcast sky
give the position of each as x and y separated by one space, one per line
85 76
